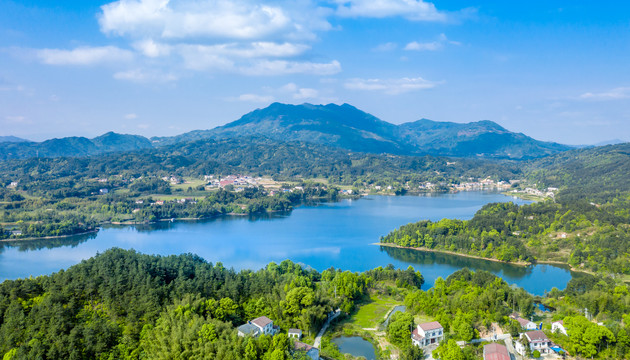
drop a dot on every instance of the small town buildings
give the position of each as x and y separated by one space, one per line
536 340
427 334
295 333
311 352
558 327
525 324
495 352
258 326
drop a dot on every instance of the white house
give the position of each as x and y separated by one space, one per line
258 326
537 340
558 326
427 334
311 352
525 324
295 333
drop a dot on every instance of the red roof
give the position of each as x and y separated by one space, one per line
536 336
302 346
561 322
430 326
415 335
495 352
261 321
522 321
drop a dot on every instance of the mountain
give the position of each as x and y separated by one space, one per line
73 146
347 127
482 139
342 126
11 139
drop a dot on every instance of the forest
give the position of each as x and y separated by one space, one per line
124 305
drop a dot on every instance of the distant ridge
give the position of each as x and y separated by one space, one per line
12 139
73 146
342 126
347 127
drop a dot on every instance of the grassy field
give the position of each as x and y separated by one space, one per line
372 312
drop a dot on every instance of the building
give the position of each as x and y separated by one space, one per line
558 326
427 334
311 352
295 333
525 324
536 340
258 326
495 352
248 330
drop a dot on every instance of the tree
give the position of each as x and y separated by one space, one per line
449 351
399 329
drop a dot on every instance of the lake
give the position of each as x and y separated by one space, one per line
326 235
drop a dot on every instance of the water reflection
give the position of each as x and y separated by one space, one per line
431 258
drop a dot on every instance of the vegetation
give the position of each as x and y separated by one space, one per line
121 304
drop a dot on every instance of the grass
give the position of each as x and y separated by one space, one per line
372 312
189 183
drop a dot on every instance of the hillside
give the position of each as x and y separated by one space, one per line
11 139
347 127
73 146
341 126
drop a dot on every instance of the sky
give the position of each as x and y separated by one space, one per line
554 70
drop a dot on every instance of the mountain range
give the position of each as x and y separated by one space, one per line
343 126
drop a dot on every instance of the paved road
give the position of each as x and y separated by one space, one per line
318 339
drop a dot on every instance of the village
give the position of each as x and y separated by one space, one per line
532 341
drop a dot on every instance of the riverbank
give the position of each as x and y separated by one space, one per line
51 237
518 263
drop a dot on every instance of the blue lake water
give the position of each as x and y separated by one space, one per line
355 346
327 235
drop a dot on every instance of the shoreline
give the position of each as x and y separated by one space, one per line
517 263
50 237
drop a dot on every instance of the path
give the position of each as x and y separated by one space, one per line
318 339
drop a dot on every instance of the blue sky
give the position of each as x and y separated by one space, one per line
553 70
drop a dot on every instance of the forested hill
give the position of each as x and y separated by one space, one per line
598 174
72 146
347 127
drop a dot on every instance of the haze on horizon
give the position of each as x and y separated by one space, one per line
553 70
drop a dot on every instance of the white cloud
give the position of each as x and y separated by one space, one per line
142 76
416 10
432 45
131 116
614 94
16 119
386 47
255 98
306 93
231 19
390 86
283 67
150 48
428 46
84 55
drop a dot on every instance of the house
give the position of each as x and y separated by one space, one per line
258 326
295 333
427 334
103 191
311 352
558 326
495 352
248 330
536 340
525 324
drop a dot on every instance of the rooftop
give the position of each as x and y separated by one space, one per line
430 326
495 352
248 329
536 335
261 321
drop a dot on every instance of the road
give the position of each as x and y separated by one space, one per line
318 339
